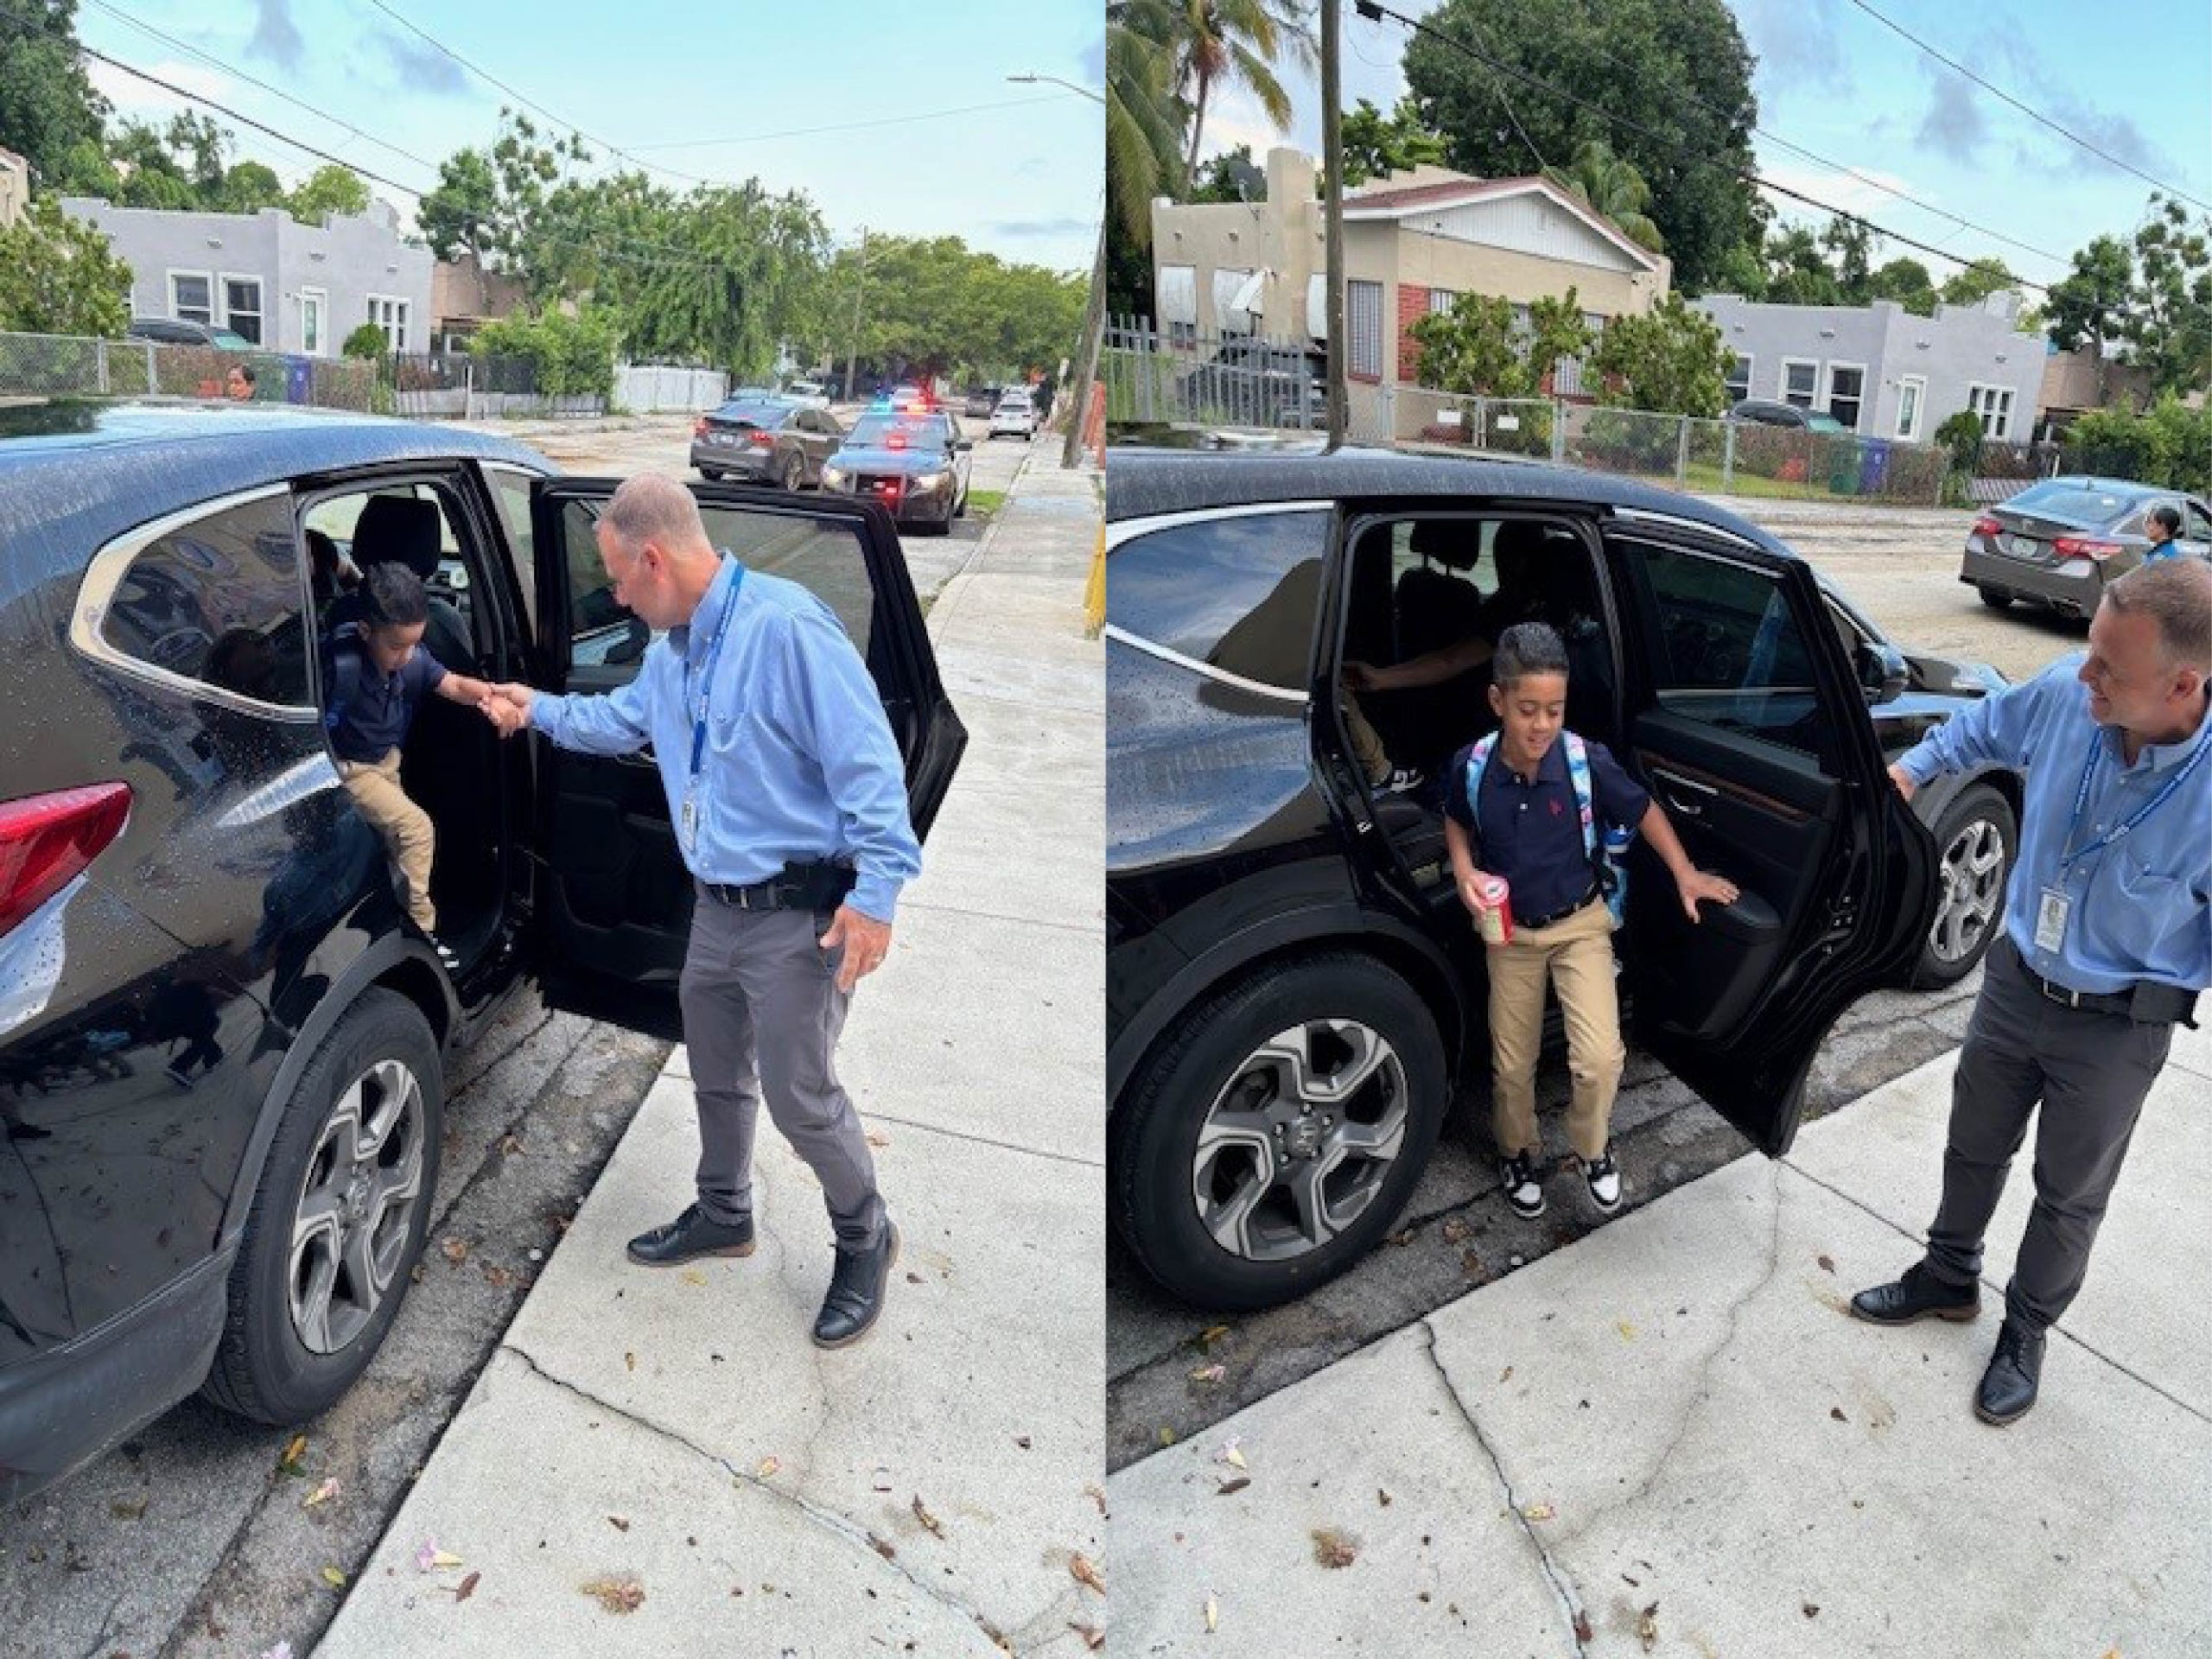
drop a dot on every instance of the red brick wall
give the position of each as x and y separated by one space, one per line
1413 305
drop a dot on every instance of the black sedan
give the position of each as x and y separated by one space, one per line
915 463
2059 542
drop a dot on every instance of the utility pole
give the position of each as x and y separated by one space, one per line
853 346
1332 208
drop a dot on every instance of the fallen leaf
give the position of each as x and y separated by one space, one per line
878 1139
334 1578
617 1595
618 1523
1836 1412
1471 1264
1233 1455
290 1463
1332 1549
1213 1615
1231 1486
1021 1440
1539 1512
497 1275
1402 1238
1582 1631
1505 1376
692 1276
768 1467
1828 1263
1092 1638
630 1362
454 1250
1627 1331
127 1509
1167 1437
1647 1627
429 1558
1383 1497
467 1588
511 1145
930 1522
1085 1573
1813 1610
1456 1231
321 1494
1212 1334
1210 1372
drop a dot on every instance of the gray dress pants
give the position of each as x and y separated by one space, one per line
761 1014
2090 1072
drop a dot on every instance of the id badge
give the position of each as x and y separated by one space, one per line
689 818
2050 919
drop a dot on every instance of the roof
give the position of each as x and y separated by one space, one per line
1141 483
1405 202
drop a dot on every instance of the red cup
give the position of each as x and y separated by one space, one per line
1495 918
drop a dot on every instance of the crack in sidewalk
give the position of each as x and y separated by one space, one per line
845 1530
1561 1583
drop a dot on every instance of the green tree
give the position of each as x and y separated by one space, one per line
937 303
1476 347
1678 68
148 171
1852 245
49 114
572 355
1375 143
248 188
329 189
58 276
1905 281
1612 189
1673 360
2086 306
1221 44
485 200
1797 270
1225 178
2169 323
1144 142
1977 282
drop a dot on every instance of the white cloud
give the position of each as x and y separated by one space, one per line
1864 194
129 94
1238 119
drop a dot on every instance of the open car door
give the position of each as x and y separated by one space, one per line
1745 718
611 908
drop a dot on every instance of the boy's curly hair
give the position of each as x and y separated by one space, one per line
392 596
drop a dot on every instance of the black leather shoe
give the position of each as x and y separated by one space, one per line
687 1238
1917 1295
2008 1387
857 1288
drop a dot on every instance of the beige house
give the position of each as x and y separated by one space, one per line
2074 382
15 187
464 296
1413 242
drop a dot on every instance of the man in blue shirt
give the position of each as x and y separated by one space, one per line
789 798
2107 939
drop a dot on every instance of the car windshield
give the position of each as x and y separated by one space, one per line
2084 504
898 432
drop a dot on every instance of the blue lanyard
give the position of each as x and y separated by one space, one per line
707 674
2066 861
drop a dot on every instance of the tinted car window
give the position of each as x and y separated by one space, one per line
753 414
220 600
1236 593
924 433
2074 501
2195 525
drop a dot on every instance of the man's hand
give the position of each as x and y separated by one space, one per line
1905 785
1359 677
1694 885
501 712
867 942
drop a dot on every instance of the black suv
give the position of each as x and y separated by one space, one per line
1293 991
221 1039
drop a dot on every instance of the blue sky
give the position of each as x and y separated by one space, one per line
2130 75
1023 181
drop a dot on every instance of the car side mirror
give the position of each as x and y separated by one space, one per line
1882 673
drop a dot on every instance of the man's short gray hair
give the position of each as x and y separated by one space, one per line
654 507
1528 648
2176 594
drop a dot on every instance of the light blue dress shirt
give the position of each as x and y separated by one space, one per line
2141 906
799 761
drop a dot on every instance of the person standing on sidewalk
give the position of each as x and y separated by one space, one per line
2162 526
2107 940
789 798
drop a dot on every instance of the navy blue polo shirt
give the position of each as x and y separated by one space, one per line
1529 829
370 712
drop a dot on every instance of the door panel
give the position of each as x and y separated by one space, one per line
614 911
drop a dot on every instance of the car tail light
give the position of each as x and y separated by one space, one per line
761 440
1988 526
2078 547
46 840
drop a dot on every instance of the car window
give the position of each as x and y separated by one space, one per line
451 583
220 600
511 492
1238 592
2082 504
2195 526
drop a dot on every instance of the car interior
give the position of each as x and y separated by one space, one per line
451 765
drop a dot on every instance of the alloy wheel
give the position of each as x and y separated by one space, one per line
356 1206
1974 888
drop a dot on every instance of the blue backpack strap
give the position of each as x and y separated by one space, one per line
1578 772
345 682
1476 761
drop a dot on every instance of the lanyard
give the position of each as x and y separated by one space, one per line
2066 861
707 674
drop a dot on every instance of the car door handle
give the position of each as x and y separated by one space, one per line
1670 783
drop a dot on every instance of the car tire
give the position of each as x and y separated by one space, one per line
382 1059
1996 598
1976 828
794 475
1155 1158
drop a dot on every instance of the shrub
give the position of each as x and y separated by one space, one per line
367 342
1962 435
571 355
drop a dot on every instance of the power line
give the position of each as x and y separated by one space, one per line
851 126
2064 132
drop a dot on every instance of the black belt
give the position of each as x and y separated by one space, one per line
1534 922
2147 1004
801 887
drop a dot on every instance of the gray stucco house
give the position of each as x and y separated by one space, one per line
1883 372
287 286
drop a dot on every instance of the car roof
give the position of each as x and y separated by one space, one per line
2116 485
1144 483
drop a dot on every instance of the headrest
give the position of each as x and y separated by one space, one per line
398 529
1452 542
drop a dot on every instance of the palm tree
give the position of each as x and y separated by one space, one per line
1612 188
1238 43
1144 125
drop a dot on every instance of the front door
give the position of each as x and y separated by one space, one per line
613 904
1747 719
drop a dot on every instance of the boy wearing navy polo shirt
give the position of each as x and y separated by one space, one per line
379 676
1528 805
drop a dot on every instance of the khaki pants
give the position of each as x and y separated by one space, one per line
405 826
1366 742
1576 955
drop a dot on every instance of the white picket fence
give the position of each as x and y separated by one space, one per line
654 389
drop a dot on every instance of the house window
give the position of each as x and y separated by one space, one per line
1912 392
192 296
1994 405
1800 377
242 307
391 315
1847 387
1176 292
1441 300
1365 324
1739 379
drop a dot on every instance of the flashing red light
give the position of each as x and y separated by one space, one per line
2080 547
46 839
895 441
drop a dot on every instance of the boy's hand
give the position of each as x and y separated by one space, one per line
502 713
1471 891
1905 784
1694 885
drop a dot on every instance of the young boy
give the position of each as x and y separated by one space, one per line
1530 802
379 674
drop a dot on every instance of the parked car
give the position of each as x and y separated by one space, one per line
915 463
809 394
1014 418
1258 383
169 331
906 394
979 404
222 1041
1295 994
2059 542
766 440
1761 412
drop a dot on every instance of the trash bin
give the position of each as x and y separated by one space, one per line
1874 466
1843 466
298 380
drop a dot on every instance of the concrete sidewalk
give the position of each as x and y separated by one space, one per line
1670 1438
930 1489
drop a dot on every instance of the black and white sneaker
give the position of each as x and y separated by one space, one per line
1402 780
1518 1175
1603 1177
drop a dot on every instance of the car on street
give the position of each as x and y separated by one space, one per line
906 394
1258 383
2060 542
222 1040
916 463
978 404
170 331
776 441
1295 993
1758 411
812 394
1014 418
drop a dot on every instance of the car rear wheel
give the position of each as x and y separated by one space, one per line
1277 1133
338 1222
1978 838
1996 598
792 474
